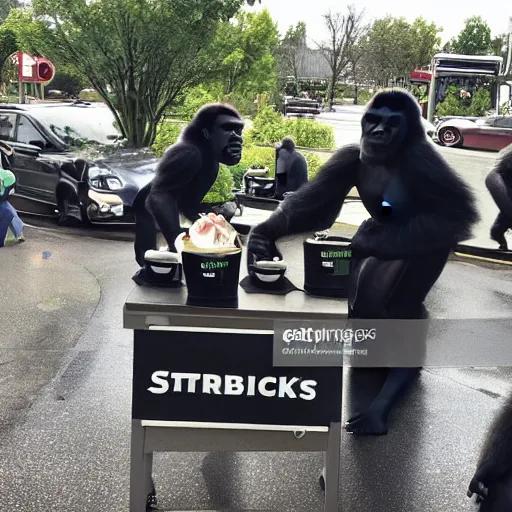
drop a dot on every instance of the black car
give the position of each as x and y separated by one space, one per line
57 173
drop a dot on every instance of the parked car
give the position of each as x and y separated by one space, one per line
53 175
492 132
429 128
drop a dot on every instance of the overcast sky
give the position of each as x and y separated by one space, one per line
450 14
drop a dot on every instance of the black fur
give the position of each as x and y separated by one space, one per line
499 184
492 482
184 175
205 118
432 209
443 208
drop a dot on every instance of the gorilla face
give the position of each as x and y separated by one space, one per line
384 130
226 139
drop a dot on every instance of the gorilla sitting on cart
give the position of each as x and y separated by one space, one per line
291 172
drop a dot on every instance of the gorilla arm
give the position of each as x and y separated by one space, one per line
496 184
313 207
445 206
179 165
495 460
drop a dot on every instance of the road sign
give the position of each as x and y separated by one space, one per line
34 69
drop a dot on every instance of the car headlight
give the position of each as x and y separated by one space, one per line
104 179
114 183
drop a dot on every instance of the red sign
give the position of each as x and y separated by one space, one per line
419 75
34 69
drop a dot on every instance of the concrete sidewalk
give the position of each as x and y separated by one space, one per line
65 401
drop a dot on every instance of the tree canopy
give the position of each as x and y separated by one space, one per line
140 55
473 39
396 47
242 53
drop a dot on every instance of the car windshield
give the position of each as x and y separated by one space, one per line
79 124
486 120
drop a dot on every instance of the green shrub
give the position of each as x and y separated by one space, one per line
222 189
314 164
363 97
456 104
270 127
310 134
166 135
194 100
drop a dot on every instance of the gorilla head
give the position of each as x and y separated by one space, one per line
217 127
391 121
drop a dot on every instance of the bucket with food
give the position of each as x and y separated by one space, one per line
211 253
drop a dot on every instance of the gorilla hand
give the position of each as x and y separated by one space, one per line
261 247
476 486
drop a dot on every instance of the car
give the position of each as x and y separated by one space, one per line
491 132
430 129
57 174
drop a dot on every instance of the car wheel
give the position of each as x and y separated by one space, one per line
450 137
70 211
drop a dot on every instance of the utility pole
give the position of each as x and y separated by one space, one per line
509 53
432 92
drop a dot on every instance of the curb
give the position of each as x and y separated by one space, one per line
483 254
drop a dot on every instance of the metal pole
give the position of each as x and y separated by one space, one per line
21 90
432 94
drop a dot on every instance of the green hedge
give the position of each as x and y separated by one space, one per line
167 134
270 127
231 177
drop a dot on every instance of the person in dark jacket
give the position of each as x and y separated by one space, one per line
291 168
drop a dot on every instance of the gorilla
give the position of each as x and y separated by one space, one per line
499 184
492 482
420 209
185 174
291 168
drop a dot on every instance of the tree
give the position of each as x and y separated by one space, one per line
396 47
30 32
426 40
473 39
6 6
140 55
355 56
292 50
243 52
344 31
8 45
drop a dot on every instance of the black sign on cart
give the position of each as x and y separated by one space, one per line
204 380
227 377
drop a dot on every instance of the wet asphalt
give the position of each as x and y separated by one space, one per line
65 396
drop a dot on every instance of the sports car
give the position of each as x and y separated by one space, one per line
493 132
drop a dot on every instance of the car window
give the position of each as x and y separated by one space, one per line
505 122
7 126
29 134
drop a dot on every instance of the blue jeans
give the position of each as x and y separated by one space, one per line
9 219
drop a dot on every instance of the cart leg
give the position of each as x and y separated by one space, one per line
151 503
332 468
140 470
